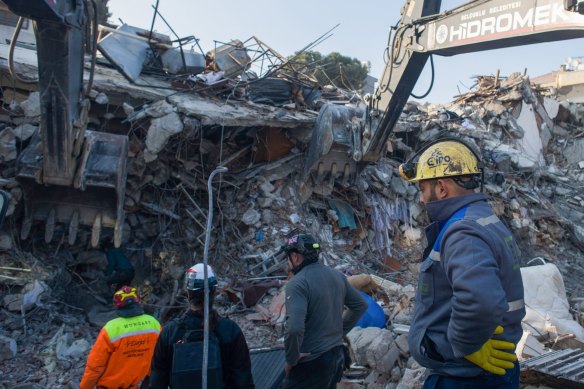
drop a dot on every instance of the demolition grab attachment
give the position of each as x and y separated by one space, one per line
346 136
69 174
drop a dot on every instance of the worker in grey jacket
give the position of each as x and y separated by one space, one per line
469 302
315 317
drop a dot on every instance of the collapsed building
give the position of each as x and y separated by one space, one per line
185 115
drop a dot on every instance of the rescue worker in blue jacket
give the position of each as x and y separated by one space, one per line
469 301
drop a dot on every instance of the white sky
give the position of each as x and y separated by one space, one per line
288 26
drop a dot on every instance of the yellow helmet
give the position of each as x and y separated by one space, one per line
447 158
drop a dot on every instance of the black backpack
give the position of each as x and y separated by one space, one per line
187 361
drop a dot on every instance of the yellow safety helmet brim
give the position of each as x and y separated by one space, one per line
443 159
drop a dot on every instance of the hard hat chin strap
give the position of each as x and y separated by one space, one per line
473 183
308 259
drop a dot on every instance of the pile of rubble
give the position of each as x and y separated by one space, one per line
181 127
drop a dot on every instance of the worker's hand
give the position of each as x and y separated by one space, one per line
491 356
288 367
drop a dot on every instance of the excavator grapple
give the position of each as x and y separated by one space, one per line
95 199
346 137
331 153
69 174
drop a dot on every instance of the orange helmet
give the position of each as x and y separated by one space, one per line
126 295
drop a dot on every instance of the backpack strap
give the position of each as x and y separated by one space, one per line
188 335
194 335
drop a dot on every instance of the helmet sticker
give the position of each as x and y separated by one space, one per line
195 277
126 295
438 159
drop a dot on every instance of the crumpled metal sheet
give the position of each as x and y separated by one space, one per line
279 91
126 54
231 58
172 61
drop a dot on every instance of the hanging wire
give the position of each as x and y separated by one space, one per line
11 54
219 169
431 81
94 33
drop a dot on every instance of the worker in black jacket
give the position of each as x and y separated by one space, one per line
235 359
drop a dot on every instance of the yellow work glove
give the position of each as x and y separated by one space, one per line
491 358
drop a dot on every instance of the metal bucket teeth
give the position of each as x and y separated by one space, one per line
118 232
50 226
26 227
73 228
329 155
96 198
96 231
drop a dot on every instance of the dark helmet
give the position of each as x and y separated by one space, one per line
301 243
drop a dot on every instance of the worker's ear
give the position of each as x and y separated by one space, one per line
442 189
295 258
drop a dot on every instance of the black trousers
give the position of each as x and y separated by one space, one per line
321 373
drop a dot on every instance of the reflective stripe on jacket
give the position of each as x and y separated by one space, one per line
121 355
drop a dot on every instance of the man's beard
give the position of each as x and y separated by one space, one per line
433 196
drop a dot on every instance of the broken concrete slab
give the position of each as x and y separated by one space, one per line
374 347
32 105
8 150
574 152
24 131
161 129
240 114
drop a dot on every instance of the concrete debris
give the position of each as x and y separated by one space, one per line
8 150
8 348
31 107
5 241
161 129
412 379
24 131
221 115
32 294
374 347
28 298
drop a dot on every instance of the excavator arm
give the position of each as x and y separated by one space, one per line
69 174
339 145
60 41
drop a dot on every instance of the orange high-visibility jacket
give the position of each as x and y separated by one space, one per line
121 355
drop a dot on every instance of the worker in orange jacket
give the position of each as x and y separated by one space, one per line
121 355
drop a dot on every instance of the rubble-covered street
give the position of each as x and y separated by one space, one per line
246 107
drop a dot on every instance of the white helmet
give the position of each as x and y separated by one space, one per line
195 277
